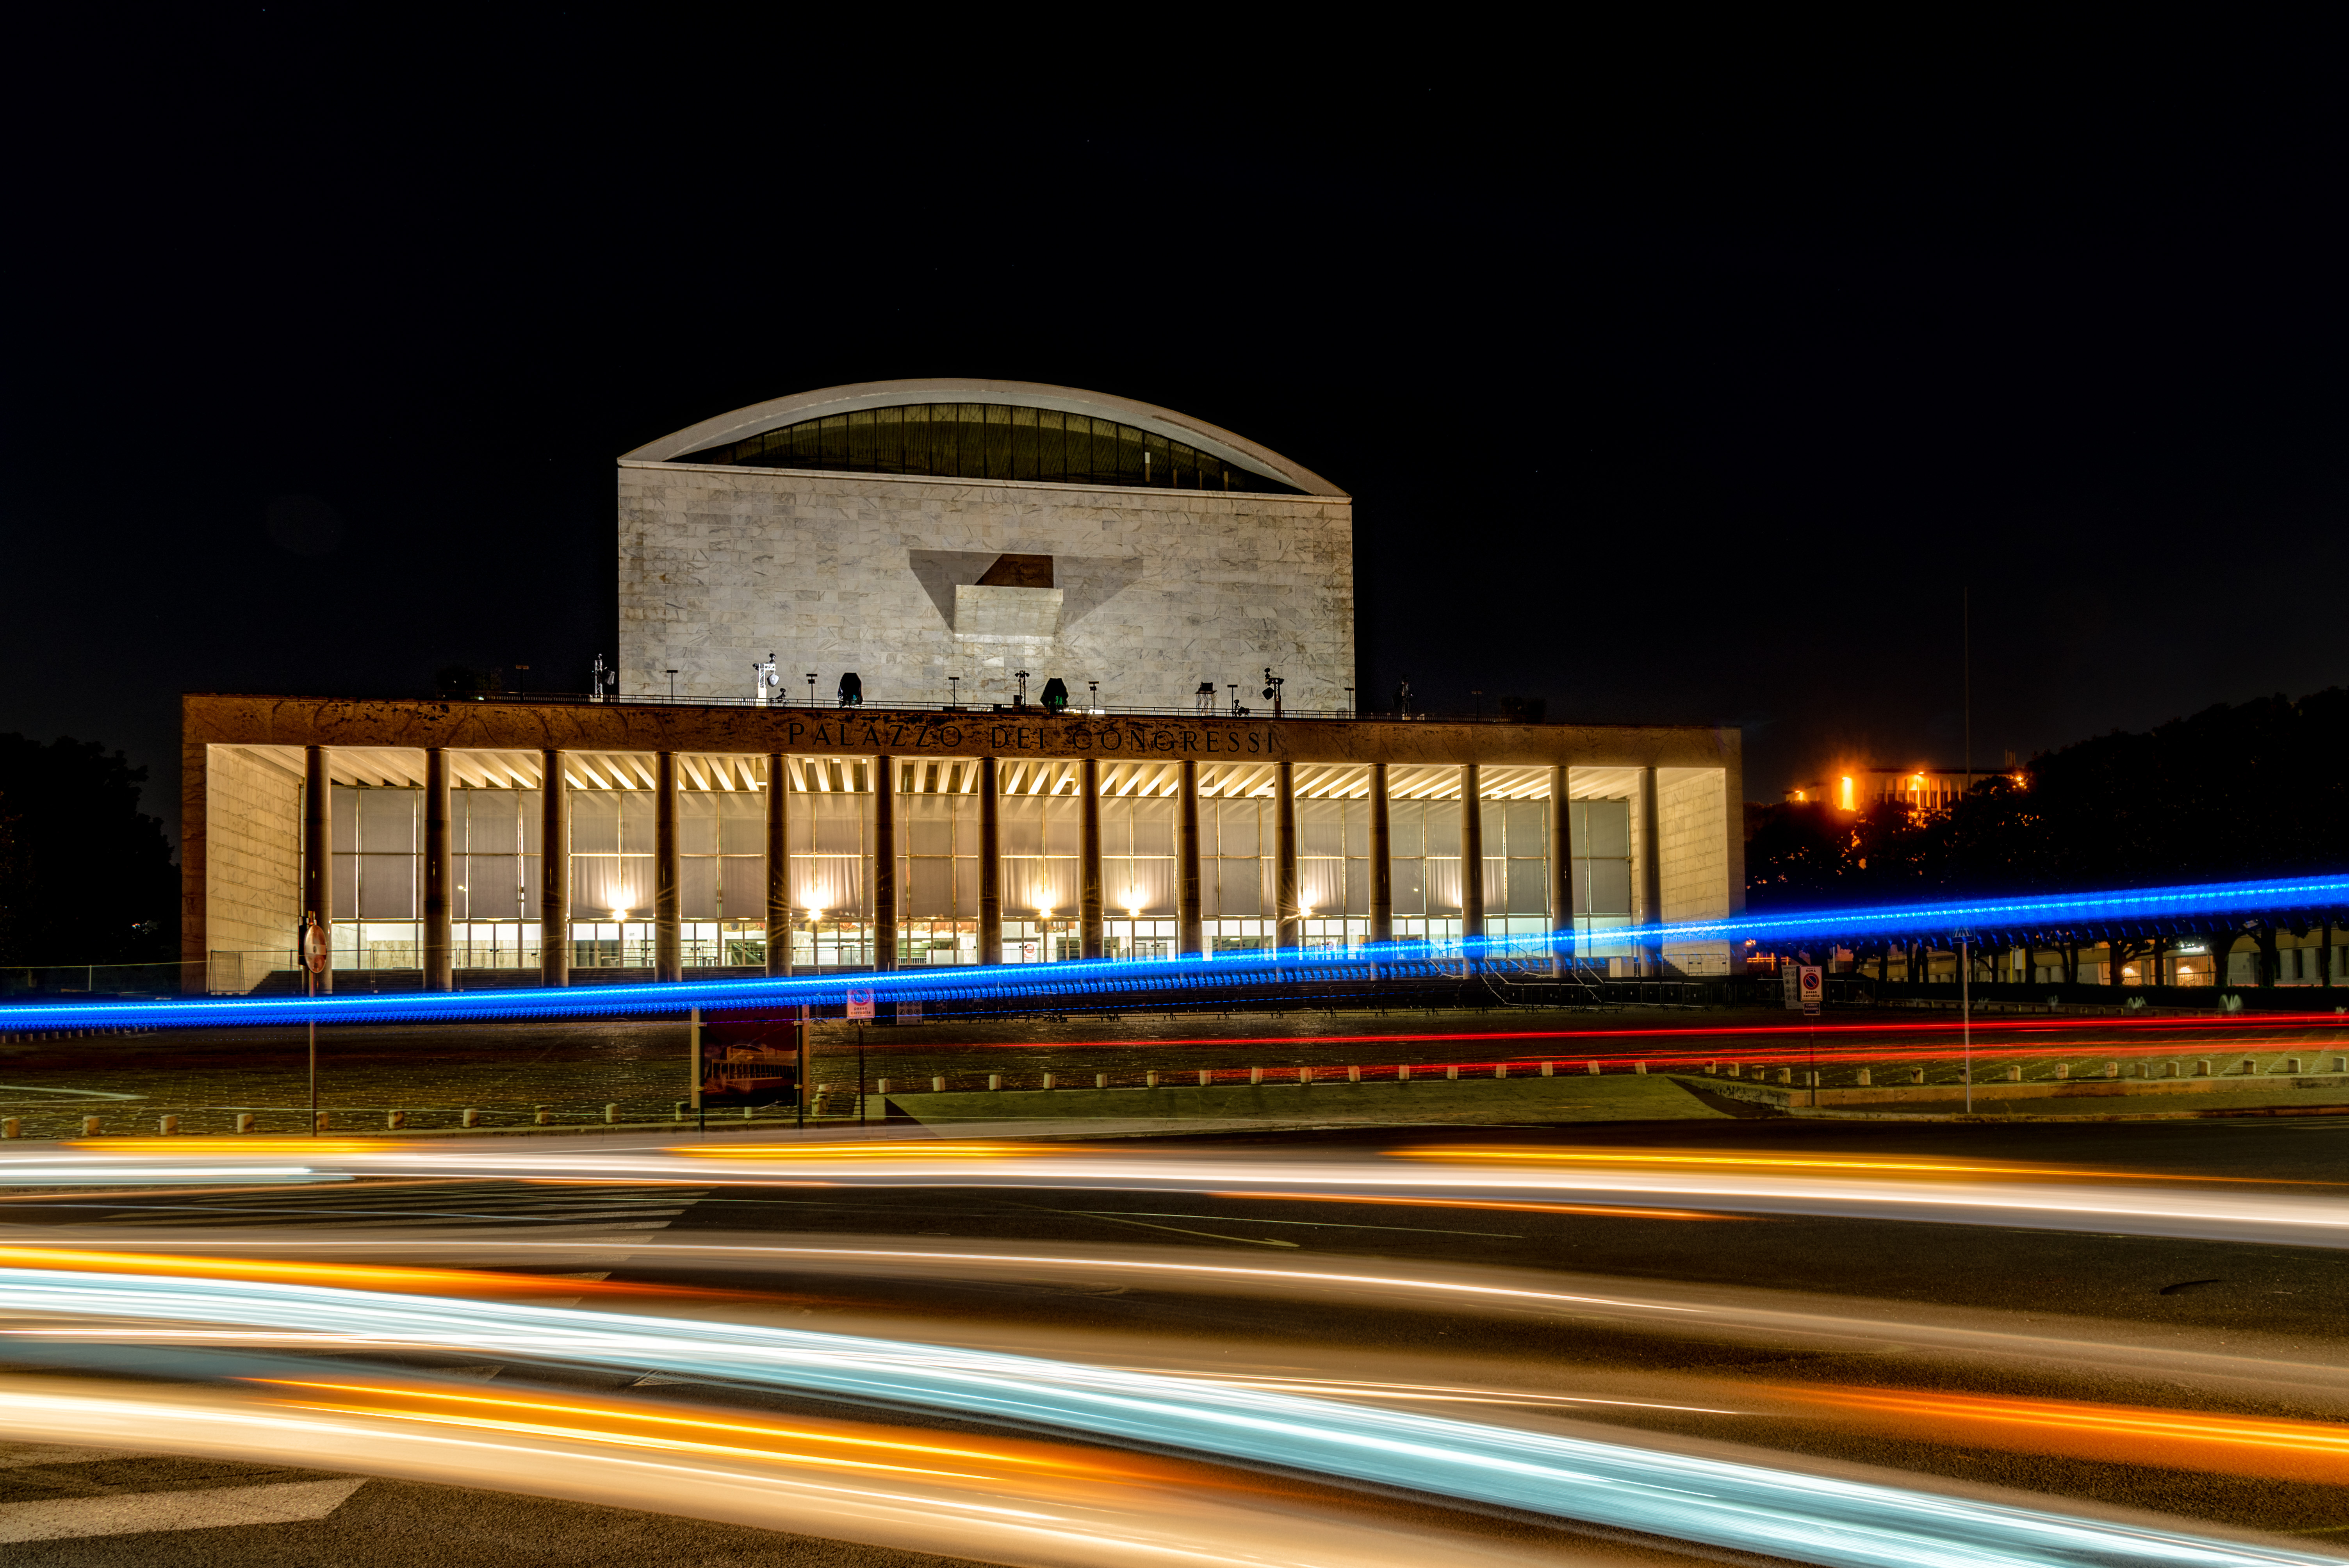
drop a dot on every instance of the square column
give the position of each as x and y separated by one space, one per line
1191 937
885 867
1089 894
669 946
991 866
778 865
1561 876
1287 936
318 852
553 871
1381 859
1651 871
439 872
1472 855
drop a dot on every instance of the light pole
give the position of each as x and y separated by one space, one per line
672 685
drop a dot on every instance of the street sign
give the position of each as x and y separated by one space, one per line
1793 984
860 1003
909 1012
1813 985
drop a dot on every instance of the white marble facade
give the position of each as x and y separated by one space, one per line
1157 591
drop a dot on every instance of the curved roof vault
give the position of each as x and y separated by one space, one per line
777 412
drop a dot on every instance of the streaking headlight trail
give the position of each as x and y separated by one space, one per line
941 986
1742 1507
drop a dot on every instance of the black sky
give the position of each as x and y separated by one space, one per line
1679 378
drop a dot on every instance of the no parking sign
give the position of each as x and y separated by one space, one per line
1813 985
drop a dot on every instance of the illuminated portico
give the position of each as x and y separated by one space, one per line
1007 832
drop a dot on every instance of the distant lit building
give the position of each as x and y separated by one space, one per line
1856 788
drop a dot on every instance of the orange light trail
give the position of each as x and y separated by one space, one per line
1842 1164
342 1276
803 1442
1500 1204
2127 1434
903 1150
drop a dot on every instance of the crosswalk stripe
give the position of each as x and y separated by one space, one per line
139 1514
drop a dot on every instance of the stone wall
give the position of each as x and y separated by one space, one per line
1160 590
253 861
1692 821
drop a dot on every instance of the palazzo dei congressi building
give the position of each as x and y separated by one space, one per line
938 540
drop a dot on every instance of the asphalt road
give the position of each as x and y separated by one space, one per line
1673 1388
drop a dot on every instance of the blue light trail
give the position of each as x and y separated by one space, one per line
1137 983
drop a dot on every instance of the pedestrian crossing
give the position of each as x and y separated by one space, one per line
568 1210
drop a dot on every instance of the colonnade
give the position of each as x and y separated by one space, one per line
554 873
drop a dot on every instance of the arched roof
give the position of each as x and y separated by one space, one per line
777 412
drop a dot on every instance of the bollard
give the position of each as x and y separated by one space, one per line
995 1081
2062 1069
11 1127
2169 1069
1354 1075
324 1119
2014 1075
886 1085
1206 1077
1865 1080
1549 1069
541 1116
1712 1067
1735 1069
746 1113
938 1086
393 1120
471 1118
167 1125
1916 1074
2291 1064
1101 1080
2201 1070
1500 1069
682 1107
90 1125
611 1111
2341 1064
2249 1067
1786 1075
1639 1068
1593 1068
245 1121
1305 1076
1402 1074
1050 1082
1453 1072
1256 1077
2112 1069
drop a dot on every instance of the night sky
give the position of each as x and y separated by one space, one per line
1678 379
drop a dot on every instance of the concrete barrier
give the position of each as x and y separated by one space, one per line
91 1125
471 1118
245 1121
1402 1074
393 1120
1786 1075
167 1125
1500 1069
1206 1077
883 1086
611 1112
11 1127
1453 1072
2291 1064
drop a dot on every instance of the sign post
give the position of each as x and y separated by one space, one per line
314 963
693 1050
1813 985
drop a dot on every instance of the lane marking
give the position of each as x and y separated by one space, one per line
141 1513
